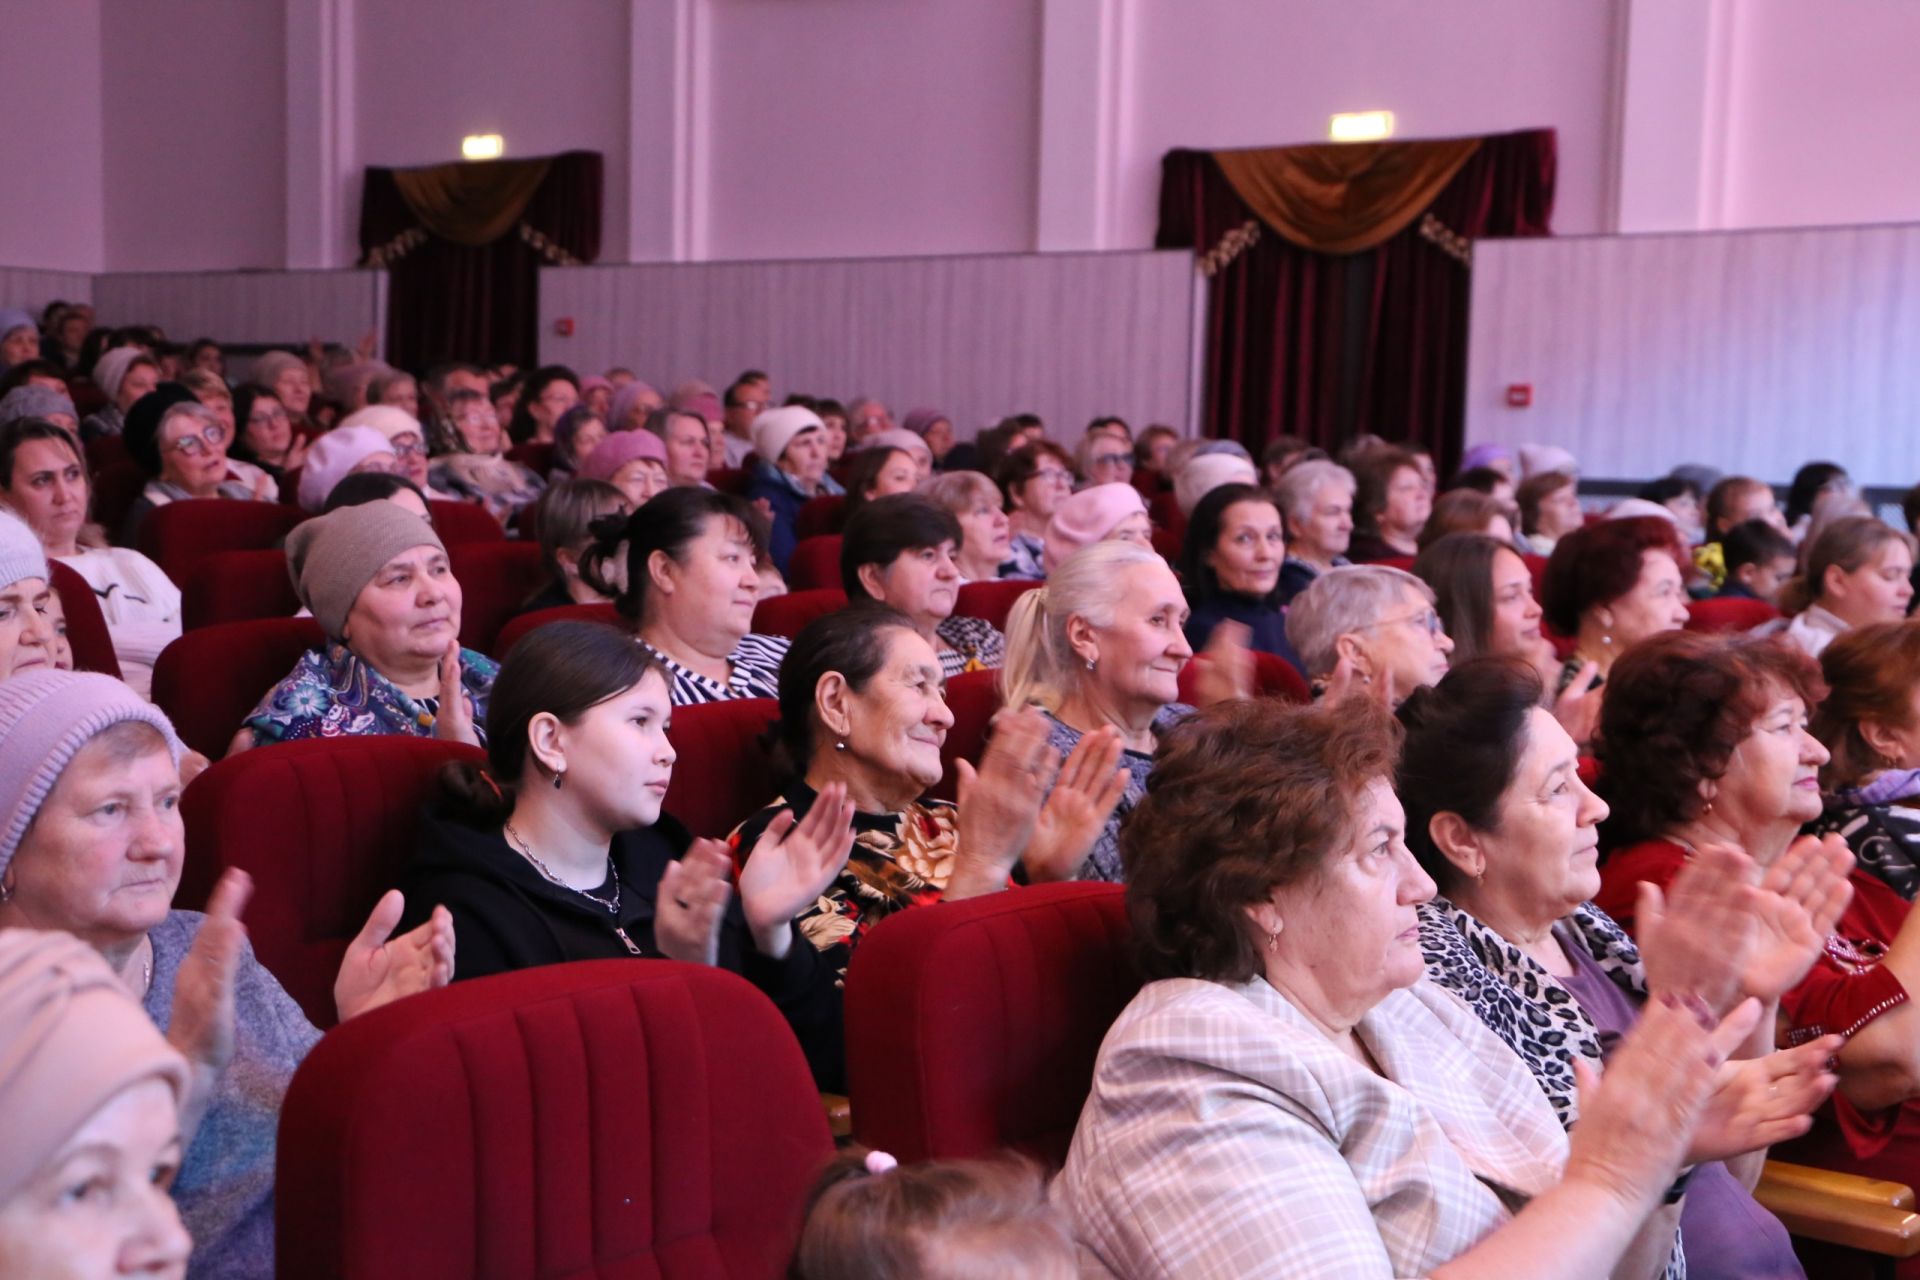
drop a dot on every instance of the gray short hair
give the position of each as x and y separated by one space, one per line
957 491
186 409
1305 479
1341 601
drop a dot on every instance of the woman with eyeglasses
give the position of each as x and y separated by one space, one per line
1371 626
406 440
182 444
264 434
1036 478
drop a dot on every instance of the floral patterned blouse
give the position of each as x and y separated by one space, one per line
334 693
899 860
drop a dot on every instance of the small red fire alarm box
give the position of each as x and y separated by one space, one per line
1519 395
564 327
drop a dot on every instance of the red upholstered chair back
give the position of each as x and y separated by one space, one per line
1728 613
605 1119
117 481
324 826
495 578
511 633
1537 566
181 534
815 563
973 1026
235 586
1403 563
732 480
464 522
207 680
785 615
992 601
86 625
1273 677
537 458
1167 544
723 775
973 697
824 514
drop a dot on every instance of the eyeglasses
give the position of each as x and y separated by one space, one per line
208 438
1055 474
1112 459
408 446
1425 618
263 416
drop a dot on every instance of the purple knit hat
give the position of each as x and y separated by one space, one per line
617 450
45 718
623 401
1088 517
920 421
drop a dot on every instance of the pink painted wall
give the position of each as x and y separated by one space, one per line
864 128
547 77
50 150
1244 74
1823 115
194 134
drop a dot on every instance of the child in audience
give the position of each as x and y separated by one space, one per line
1759 559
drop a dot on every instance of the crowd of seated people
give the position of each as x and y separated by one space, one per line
1525 824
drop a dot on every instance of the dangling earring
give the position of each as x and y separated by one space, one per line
1090 664
6 893
839 746
559 776
1273 937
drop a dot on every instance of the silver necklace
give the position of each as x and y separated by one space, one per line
612 905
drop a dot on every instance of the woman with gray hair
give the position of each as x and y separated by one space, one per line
182 444
1316 501
1370 625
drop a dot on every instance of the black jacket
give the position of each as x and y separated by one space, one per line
507 916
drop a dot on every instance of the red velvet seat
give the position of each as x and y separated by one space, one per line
1537 566
605 1119
974 1025
511 633
181 534
733 480
1402 563
1728 613
992 601
1273 677
822 515
86 625
235 586
973 697
117 481
324 826
208 680
722 775
785 615
464 522
815 563
1166 544
496 580
537 458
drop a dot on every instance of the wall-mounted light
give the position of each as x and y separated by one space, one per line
483 146
1360 126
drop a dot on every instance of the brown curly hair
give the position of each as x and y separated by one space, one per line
1599 563
1869 673
1677 704
1245 797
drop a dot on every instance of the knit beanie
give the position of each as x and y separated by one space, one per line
775 429
13 318
45 718
333 557
617 450
21 555
111 368
920 421
1205 472
1484 455
1087 517
34 402
71 1037
1538 459
623 402
332 457
902 439
389 420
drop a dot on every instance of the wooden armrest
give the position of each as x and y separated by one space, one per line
840 1116
1847 1186
1853 1224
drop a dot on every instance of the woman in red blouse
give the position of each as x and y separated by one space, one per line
1703 740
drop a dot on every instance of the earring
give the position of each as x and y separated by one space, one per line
1090 664
1273 937
839 746
559 776
6 893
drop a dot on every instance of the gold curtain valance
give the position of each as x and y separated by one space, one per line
1343 198
471 204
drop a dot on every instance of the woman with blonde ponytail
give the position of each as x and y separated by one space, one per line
1856 572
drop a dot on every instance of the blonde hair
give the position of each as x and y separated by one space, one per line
1848 543
1041 667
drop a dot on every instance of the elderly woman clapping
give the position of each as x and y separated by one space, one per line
1369 625
1498 816
1290 1098
377 580
91 842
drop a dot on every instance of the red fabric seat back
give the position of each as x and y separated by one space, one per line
86 625
117 481
1167 544
733 480
496 579
324 826
236 586
207 680
815 563
785 615
973 1026
722 775
1273 677
1403 563
535 457
1728 613
992 601
973 697
181 534
824 514
463 522
1537 566
511 633
604 1119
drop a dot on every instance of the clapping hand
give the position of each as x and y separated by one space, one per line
380 968
1757 1102
201 1027
1000 802
1578 706
692 901
792 864
1225 670
454 723
1696 937
1090 785
1800 900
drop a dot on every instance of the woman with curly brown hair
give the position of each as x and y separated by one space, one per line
1870 725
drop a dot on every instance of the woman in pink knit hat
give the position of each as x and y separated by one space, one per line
1096 514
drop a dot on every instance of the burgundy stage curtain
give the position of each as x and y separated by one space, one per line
1325 346
448 300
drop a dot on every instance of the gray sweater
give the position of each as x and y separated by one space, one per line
225 1185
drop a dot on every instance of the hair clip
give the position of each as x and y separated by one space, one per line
491 784
879 1162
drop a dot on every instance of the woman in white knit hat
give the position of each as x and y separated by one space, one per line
26 627
123 375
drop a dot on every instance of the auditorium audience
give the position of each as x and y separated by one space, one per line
19 338
1391 504
634 462
545 394
342 452
27 640
1680 496
1467 511
565 516
91 842
40 402
1036 477
933 427
470 462
1316 502
47 485
1100 513
1857 570
264 434
290 380
876 473
1212 464
575 435
1368 625
1105 457
746 398
1356 1119
899 551
395 389
376 579
1815 487
1549 509
904 440
405 437
791 445
685 437
1609 586
985 539
124 375
1230 568
1730 501
1870 725
376 486
866 418
181 444
633 405
1758 559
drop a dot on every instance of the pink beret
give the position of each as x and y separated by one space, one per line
620 448
1087 517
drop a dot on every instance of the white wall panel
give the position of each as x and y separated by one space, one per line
33 289
282 307
1754 351
1065 335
